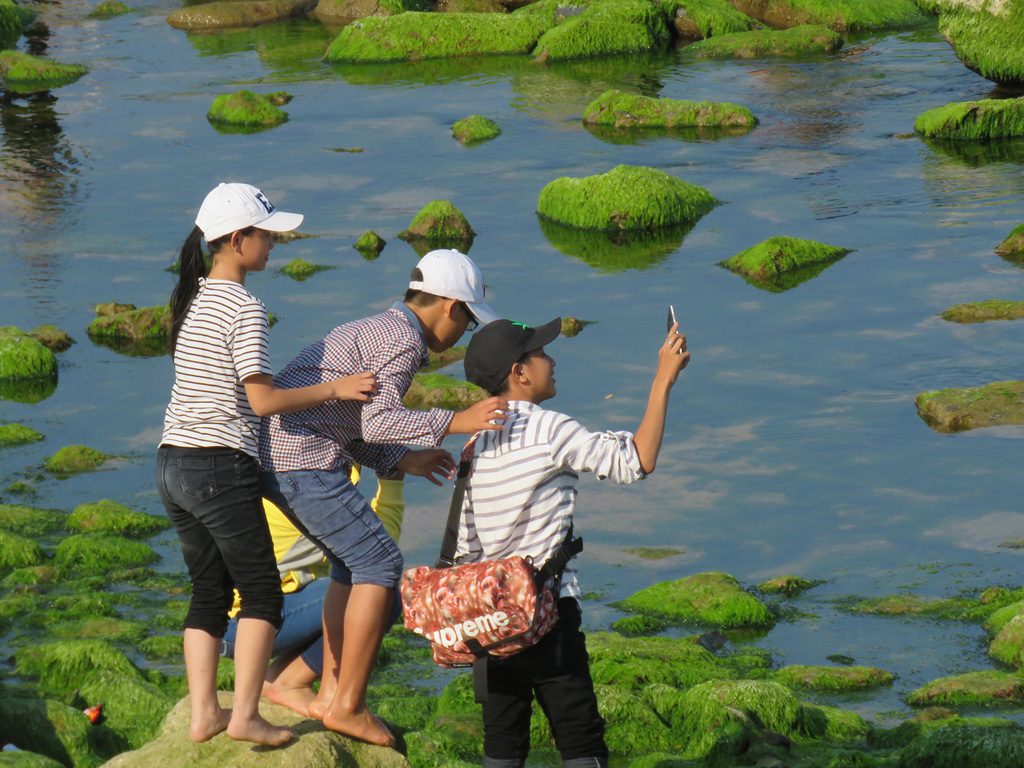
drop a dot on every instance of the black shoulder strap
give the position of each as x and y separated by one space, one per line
446 558
557 562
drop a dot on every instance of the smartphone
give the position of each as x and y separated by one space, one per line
671 317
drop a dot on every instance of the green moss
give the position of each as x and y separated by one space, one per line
571 326
21 488
346 10
1013 245
18 434
443 748
36 574
108 516
982 311
300 269
436 390
786 585
833 679
608 27
22 72
913 605
653 553
103 628
151 324
62 666
94 553
13 19
30 521
780 263
109 8
1002 616
806 40
245 108
28 760
962 408
133 707
911 730
440 360
633 626
1008 645
218 16
625 198
85 605
982 688
838 726
974 120
440 223
986 36
475 129
965 746
718 716
714 599
48 728
621 110
695 19
23 357
413 36
633 727
840 15
108 308
457 698
615 251
52 337
370 244
75 458
18 552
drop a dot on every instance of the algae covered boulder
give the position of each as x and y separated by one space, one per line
1008 644
840 15
982 688
413 36
108 516
435 390
72 459
13 19
142 332
240 13
982 311
625 198
965 746
605 28
625 111
61 666
475 129
50 728
18 434
986 35
1013 246
131 705
18 552
833 679
24 360
245 110
961 408
697 19
300 269
30 521
715 599
23 73
94 553
370 244
786 585
439 224
52 337
806 40
346 10
109 8
780 263
974 120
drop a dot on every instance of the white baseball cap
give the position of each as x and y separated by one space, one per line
453 275
235 206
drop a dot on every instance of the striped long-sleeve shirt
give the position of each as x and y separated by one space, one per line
522 491
222 341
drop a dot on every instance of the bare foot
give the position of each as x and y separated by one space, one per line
362 725
259 731
322 701
295 697
206 725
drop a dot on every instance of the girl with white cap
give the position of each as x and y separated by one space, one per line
207 466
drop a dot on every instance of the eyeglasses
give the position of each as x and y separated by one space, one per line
473 322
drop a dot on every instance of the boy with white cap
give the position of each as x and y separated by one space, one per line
306 458
520 501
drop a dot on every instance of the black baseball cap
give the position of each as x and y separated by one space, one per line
496 347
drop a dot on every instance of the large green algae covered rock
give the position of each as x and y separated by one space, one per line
986 35
974 120
13 19
337 10
18 434
413 36
912 605
61 666
30 521
475 129
94 553
300 269
625 198
245 109
22 357
24 73
713 598
966 746
780 263
1008 644
142 332
982 311
439 224
18 552
806 40
958 409
605 28
240 13
696 19
49 728
131 705
840 15
624 111
833 679
108 516
109 8
72 459
435 390
973 688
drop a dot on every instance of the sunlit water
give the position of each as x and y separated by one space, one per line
793 445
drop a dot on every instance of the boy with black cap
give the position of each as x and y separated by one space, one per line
519 501
306 458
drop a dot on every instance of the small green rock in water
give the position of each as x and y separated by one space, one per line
245 108
300 269
18 434
23 357
108 516
135 324
634 626
112 308
605 28
982 311
833 679
370 244
52 337
475 129
713 598
625 198
974 120
571 326
805 40
982 688
961 408
781 263
109 8
653 553
1013 245
75 458
22 72
435 390
786 585
627 110
439 222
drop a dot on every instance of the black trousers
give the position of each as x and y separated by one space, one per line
557 671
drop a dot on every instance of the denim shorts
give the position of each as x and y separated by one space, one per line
326 507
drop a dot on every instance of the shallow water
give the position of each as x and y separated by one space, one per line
793 446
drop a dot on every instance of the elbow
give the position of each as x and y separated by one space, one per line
648 467
261 409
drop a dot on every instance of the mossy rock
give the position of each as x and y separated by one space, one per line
470 6
28 760
370 244
983 311
790 585
439 223
436 390
986 36
241 13
62 666
929 720
414 36
475 129
624 111
1002 616
803 41
34 575
974 120
1013 245
840 15
93 553
107 628
109 8
632 725
833 679
132 706
715 599
107 308
965 746
300 269
912 605
18 552
13 19
653 553
346 10
961 408
124 330
606 28
21 488
24 73
108 516
72 459
162 647
22 357
48 728
52 337
18 434
697 19
780 263
635 626
838 726
30 521
246 109
982 688
625 198
1008 645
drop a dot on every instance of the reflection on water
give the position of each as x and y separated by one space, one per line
977 154
615 251
27 391
292 47
637 134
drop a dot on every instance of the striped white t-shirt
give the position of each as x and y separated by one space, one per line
522 491
222 341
